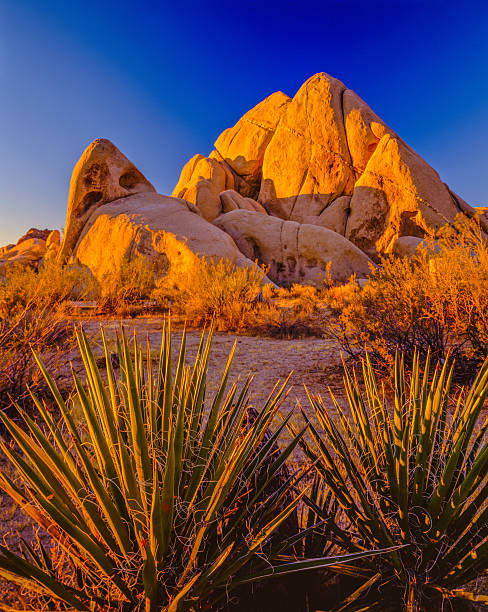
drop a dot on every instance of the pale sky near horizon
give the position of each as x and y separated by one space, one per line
162 80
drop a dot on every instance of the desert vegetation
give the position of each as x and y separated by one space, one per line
32 317
238 300
159 499
435 302
149 493
233 298
413 474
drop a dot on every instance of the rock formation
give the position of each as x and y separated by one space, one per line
330 161
398 194
168 232
101 175
297 184
30 249
307 164
294 252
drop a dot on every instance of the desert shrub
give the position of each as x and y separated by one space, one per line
238 300
49 286
436 301
30 317
308 298
285 322
412 474
209 290
165 501
121 289
337 297
303 291
31 327
295 312
268 292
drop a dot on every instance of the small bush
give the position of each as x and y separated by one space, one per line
436 301
132 282
211 290
286 322
297 312
268 292
308 297
37 328
31 318
47 287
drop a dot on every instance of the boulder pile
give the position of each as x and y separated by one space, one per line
35 246
299 185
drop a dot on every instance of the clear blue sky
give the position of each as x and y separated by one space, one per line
163 79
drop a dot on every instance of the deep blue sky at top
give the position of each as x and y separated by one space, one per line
163 79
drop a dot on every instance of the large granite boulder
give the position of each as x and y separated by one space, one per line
293 252
364 130
53 244
398 194
167 231
335 216
242 147
232 200
30 249
27 252
307 163
102 174
202 181
34 233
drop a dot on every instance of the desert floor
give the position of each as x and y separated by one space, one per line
313 362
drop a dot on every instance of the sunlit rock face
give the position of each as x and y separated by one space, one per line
30 249
235 163
203 180
243 146
168 232
296 184
307 164
102 174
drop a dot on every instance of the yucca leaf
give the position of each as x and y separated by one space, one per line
137 429
313 564
167 500
26 574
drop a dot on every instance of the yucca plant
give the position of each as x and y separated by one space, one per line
162 500
413 474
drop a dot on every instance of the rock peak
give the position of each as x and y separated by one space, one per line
297 156
101 175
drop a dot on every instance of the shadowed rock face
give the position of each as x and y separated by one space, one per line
294 252
296 184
